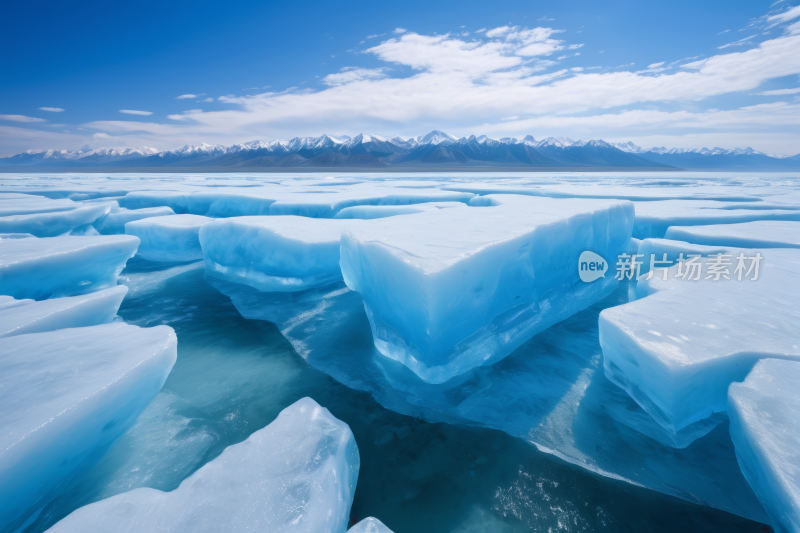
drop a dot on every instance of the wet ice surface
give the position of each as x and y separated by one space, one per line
233 376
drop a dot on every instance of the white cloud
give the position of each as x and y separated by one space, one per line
211 99
399 30
21 118
481 30
656 65
51 109
781 92
101 136
135 112
737 43
790 14
352 75
186 96
574 46
723 31
377 35
498 32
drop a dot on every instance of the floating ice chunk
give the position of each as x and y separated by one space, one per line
169 238
25 204
654 218
764 411
297 474
382 211
677 350
4 236
280 253
66 396
369 525
762 234
115 222
54 223
62 266
450 290
59 313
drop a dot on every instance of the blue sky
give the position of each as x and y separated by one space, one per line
676 74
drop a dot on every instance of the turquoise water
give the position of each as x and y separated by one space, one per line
233 377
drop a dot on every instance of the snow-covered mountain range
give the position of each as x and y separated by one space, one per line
437 149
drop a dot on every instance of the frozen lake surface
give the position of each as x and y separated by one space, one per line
533 438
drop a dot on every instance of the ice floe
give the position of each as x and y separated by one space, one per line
114 222
20 317
274 253
764 411
169 238
298 474
676 350
52 224
448 290
66 396
62 266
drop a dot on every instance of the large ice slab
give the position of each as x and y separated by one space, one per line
274 253
62 266
169 238
21 317
764 413
114 222
298 474
761 234
451 290
66 396
653 219
676 350
52 224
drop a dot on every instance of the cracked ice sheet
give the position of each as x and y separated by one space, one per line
298 474
764 411
62 266
314 202
676 350
550 392
654 218
761 234
68 395
608 192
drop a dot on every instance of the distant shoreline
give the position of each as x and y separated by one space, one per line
307 170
